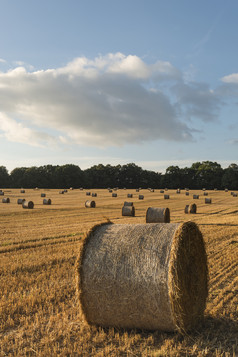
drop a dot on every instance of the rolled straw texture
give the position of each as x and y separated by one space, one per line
157 215
20 200
90 204
128 211
146 276
46 201
190 208
6 200
208 200
128 203
28 204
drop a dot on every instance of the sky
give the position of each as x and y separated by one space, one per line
90 82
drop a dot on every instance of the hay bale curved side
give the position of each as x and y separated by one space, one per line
28 204
90 204
20 200
46 201
6 200
157 215
128 211
143 276
192 208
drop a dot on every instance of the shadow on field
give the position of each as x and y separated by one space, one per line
213 335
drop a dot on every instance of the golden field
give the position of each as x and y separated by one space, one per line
39 310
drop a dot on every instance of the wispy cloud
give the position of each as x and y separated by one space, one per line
110 100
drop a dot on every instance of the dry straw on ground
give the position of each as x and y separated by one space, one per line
147 276
157 215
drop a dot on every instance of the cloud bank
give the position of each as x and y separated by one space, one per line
111 100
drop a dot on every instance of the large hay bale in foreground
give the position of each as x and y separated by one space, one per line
146 276
28 204
157 215
128 211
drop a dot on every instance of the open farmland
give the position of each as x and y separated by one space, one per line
39 311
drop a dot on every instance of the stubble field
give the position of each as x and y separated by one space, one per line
39 310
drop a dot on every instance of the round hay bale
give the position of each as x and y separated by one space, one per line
166 197
186 193
128 203
114 194
178 190
61 192
146 276
137 190
22 191
141 197
94 194
42 195
88 193
157 215
65 190
81 188
90 204
205 193
6 200
110 190
234 195
20 200
129 195
152 190
161 191
195 197
208 200
128 211
226 189
28 204
46 201
191 208
1 193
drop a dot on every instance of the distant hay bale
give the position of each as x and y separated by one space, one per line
145 276
129 195
186 189
61 192
94 194
22 191
114 194
178 190
128 203
234 194
226 189
205 193
46 201
152 190
88 193
90 204
28 204
186 193
128 211
195 197
204 189
81 188
192 208
166 197
157 215
215 189
141 197
161 191
1 193
110 190
208 200
71 188
6 200
137 190
65 190
20 200
166 189
42 195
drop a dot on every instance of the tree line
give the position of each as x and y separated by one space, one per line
205 174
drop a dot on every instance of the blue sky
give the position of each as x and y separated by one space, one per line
145 81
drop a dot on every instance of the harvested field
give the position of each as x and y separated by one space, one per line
39 309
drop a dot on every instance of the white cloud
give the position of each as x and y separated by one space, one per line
231 78
101 102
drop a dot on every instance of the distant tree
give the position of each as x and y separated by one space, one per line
4 177
230 177
17 177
